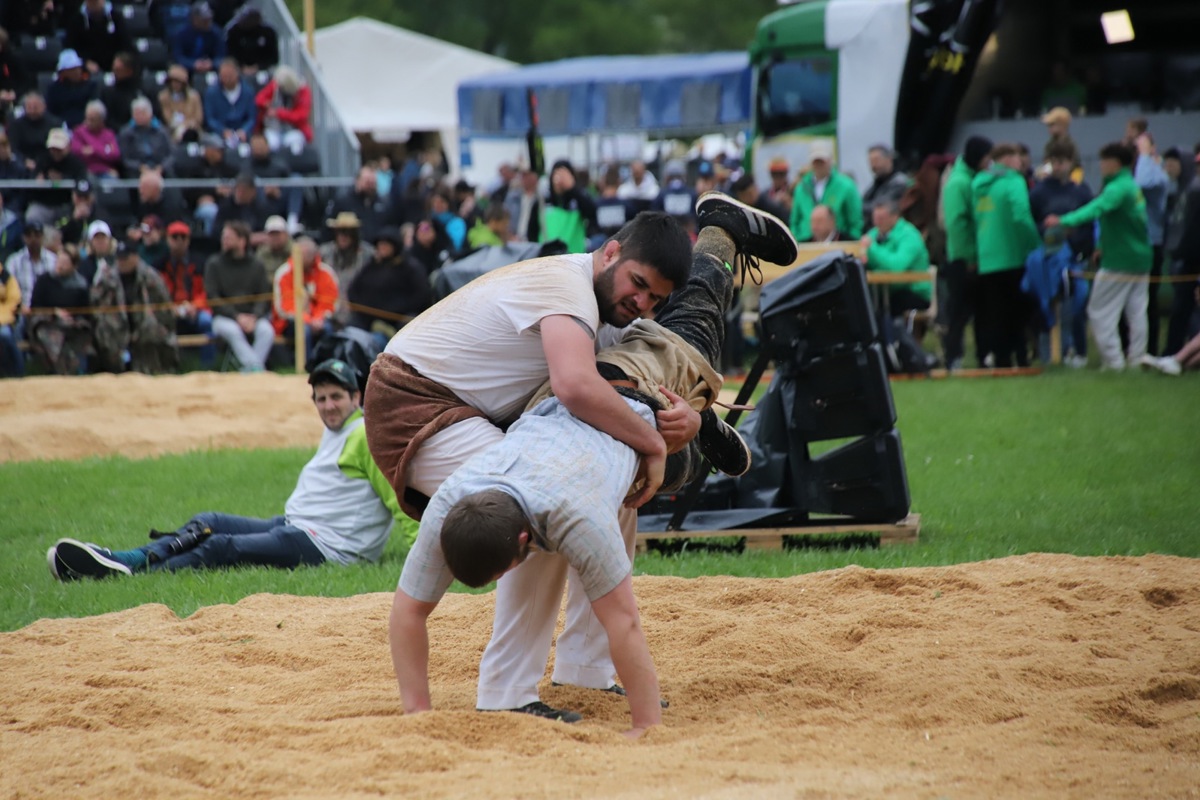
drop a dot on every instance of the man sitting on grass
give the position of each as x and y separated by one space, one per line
554 483
341 510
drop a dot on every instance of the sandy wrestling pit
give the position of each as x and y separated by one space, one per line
1034 676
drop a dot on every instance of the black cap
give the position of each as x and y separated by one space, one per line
975 150
336 370
390 233
126 248
83 187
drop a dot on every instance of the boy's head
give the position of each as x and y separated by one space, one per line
484 536
497 219
1114 157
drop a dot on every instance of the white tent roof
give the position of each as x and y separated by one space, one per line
388 81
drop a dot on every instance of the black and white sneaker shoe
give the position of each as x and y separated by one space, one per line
84 560
757 234
722 445
58 568
539 709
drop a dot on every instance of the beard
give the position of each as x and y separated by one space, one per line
611 311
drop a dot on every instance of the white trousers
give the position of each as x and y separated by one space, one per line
249 357
1114 294
528 598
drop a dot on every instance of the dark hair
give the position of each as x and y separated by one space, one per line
496 213
1139 124
1118 151
1003 150
612 177
1060 149
1173 153
742 184
656 239
481 536
241 229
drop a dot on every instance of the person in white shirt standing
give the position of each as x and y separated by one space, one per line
341 510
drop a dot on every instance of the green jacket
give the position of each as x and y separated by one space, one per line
959 212
1121 209
1004 228
841 195
902 250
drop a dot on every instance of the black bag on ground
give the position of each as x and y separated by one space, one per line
353 345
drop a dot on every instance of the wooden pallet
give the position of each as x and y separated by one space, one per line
906 530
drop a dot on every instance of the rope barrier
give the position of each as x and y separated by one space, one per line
219 301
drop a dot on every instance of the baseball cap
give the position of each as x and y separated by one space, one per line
212 140
126 248
68 59
151 221
336 370
275 224
1056 114
778 164
820 151
83 187
98 226
58 138
705 170
202 9
179 229
674 167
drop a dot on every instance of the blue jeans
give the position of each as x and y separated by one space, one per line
202 324
12 360
237 541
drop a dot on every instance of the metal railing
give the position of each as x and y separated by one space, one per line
335 142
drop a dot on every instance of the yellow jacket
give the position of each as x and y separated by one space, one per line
10 297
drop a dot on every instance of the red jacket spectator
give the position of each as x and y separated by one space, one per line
321 286
293 111
185 281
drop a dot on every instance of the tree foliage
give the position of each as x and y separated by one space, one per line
531 31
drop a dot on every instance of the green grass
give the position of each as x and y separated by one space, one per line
1073 462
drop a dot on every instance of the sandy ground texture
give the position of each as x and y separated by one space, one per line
139 416
1033 676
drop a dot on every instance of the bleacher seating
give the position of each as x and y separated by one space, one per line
136 19
154 53
39 53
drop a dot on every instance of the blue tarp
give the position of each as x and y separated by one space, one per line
698 93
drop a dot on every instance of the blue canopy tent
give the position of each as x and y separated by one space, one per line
673 95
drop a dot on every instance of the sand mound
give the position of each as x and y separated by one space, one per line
139 416
1038 676
1034 676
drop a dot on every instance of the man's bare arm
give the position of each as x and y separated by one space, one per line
409 637
571 357
618 613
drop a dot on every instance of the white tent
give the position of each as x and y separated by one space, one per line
389 82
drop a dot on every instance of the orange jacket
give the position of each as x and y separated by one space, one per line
321 286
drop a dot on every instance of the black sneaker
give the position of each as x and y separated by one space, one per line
722 445
757 234
539 709
618 689
58 567
86 560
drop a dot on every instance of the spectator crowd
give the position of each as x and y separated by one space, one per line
102 278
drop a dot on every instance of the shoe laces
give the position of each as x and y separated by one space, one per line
750 268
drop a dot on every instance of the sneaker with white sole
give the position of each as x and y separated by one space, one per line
1166 365
84 560
756 234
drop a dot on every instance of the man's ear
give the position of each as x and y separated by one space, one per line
612 252
522 538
